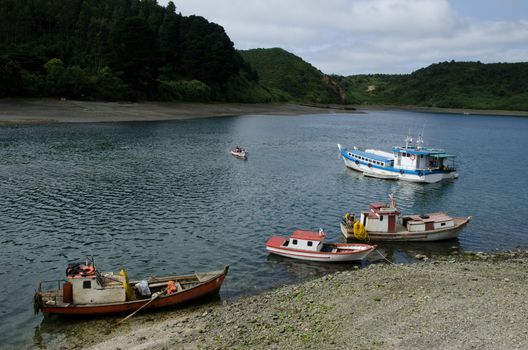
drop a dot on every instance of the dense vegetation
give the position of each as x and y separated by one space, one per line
448 84
292 78
137 49
116 50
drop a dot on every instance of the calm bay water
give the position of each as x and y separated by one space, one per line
164 197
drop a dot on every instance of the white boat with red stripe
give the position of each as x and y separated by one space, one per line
309 245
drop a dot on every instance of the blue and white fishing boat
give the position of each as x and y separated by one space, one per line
411 162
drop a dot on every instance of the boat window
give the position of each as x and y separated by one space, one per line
381 217
310 243
421 155
87 284
442 224
294 241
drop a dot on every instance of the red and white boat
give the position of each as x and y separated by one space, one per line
384 222
309 245
239 152
86 291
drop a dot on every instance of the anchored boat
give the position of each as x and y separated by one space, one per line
411 162
239 152
308 245
86 291
385 223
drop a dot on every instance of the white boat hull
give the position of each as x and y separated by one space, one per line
320 256
403 235
390 172
394 175
241 155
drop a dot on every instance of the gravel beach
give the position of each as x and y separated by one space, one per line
467 301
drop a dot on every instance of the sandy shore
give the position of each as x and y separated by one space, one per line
42 111
443 110
469 301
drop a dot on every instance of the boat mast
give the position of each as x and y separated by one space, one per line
420 141
408 140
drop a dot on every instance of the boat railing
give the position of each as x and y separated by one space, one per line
52 296
48 283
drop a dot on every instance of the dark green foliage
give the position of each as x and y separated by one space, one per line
110 87
297 80
447 85
136 54
10 78
182 90
113 49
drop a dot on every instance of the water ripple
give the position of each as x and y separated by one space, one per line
168 197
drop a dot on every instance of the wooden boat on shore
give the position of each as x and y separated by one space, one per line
384 223
86 291
239 152
308 245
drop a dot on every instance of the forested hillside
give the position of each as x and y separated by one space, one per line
291 77
139 50
118 50
448 84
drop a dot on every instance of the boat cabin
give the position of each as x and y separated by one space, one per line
386 218
305 240
417 157
424 159
85 285
372 158
434 221
380 218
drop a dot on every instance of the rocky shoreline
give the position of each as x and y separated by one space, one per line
466 301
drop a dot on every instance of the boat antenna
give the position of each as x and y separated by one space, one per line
408 139
420 141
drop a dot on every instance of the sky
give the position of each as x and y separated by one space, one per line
374 36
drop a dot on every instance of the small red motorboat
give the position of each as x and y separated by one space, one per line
86 291
309 245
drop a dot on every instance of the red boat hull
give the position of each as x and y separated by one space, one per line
209 287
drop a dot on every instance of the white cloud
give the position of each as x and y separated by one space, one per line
365 36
